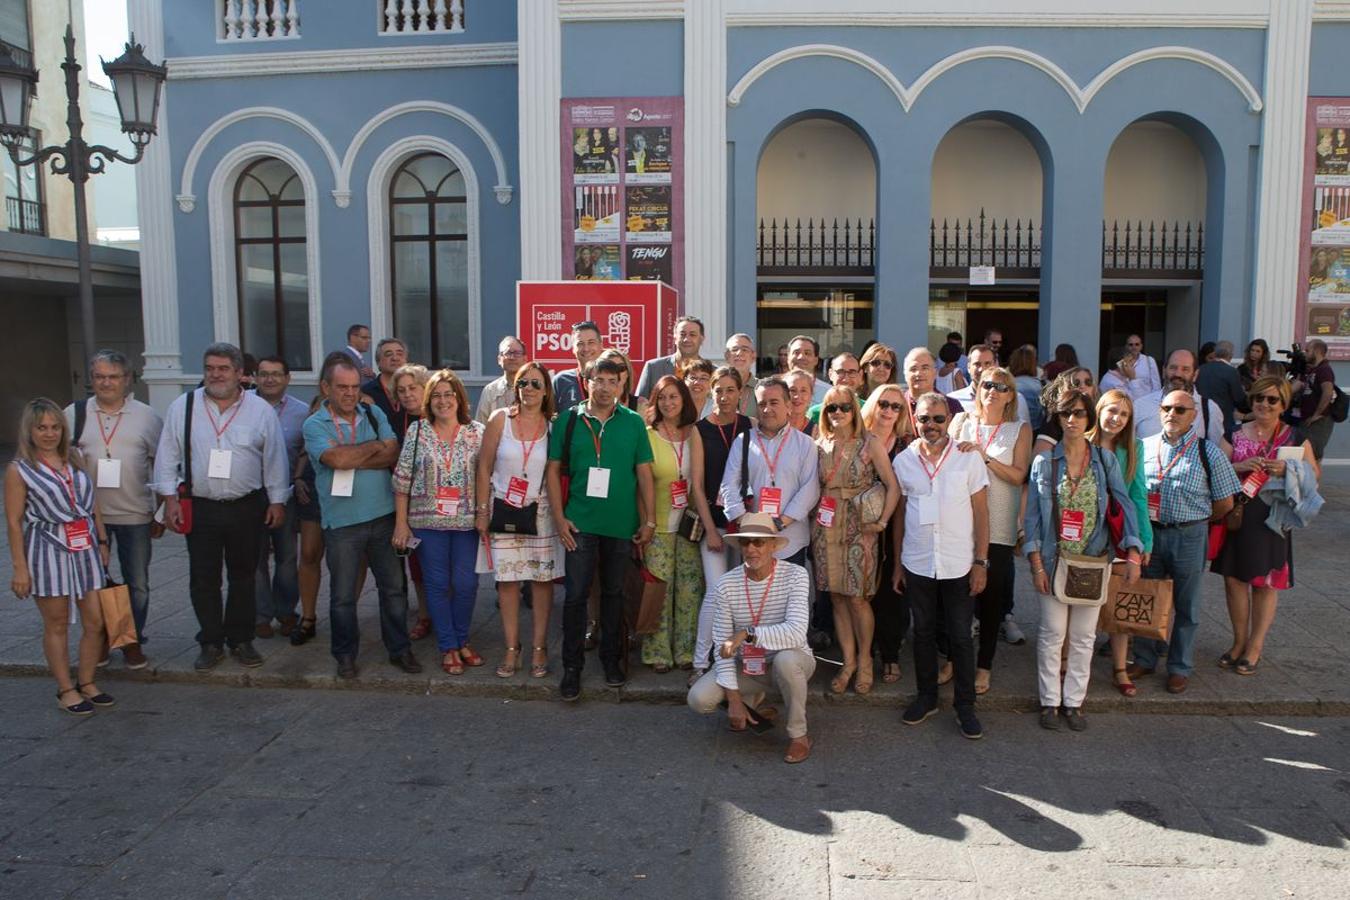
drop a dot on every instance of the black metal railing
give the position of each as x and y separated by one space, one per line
1139 249
1011 246
817 247
26 216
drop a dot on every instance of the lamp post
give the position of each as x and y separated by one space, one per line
136 86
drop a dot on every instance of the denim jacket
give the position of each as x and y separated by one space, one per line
1039 524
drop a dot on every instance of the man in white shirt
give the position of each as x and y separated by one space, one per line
1136 372
981 360
1180 377
804 353
117 437
499 393
740 355
782 478
763 637
942 542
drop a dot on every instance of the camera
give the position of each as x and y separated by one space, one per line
1298 361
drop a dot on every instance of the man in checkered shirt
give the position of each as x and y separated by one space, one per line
1183 494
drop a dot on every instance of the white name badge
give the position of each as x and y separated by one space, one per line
928 509
109 473
218 466
344 481
597 482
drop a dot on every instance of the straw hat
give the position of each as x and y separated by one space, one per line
755 525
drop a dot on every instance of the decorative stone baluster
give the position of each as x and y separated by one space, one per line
274 20
390 16
456 16
260 20
293 19
422 20
438 22
231 20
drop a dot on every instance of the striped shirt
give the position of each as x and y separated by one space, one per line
1185 489
782 621
55 569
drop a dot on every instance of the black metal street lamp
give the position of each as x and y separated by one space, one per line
136 86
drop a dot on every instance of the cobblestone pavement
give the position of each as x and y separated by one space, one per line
205 791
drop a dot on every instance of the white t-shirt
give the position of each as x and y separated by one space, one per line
939 520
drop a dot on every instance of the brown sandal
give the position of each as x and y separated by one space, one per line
839 683
470 658
890 672
451 664
863 683
539 669
509 665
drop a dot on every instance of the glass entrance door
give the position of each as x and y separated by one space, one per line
839 318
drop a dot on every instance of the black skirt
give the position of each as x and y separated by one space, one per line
1254 551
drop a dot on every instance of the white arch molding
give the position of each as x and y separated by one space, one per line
341 170
377 227
220 209
1081 97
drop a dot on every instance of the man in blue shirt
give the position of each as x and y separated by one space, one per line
1184 491
351 447
569 388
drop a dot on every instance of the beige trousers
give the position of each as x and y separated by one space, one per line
790 670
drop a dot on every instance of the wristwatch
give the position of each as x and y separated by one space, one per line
983 563
648 524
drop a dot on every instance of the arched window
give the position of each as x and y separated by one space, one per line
429 249
273 275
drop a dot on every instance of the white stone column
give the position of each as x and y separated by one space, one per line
540 75
705 168
155 212
1279 219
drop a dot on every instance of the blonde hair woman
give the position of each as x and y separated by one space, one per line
886 416
879 366
410 384
843 546
993 431
58 549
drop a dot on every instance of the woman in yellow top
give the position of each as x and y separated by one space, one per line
674 559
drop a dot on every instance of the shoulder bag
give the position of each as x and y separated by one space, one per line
1079 580
508 519
185 487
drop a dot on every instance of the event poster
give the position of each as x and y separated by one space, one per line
1324 290
623 201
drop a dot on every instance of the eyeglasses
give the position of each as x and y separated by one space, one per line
1073 413
511 354
1085 383
832 408
755 542
879 363
889 404
530 383
997 386
848 373
1178 410
268 376
936 420
1268 399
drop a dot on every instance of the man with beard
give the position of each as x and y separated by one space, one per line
688 342
1181 369
942 543
238 478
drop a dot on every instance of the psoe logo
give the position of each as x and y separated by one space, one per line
635 114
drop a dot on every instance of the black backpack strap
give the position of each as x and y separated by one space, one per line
1204 411
187 441
746 494
370 417
571 428
1204 461
81 415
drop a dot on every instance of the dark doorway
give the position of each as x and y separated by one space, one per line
1141 311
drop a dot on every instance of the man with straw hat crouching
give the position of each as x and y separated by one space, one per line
760 614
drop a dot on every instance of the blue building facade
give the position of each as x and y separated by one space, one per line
1080 108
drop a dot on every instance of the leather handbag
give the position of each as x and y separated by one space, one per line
508 519
871 503
1082 580
691 526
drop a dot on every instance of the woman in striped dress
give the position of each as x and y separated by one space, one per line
58 548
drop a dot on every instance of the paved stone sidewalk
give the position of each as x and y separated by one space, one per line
1305 670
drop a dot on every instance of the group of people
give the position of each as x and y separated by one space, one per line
776 513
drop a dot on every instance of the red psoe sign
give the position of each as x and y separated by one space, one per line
635 317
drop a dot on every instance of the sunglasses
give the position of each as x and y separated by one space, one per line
936 420
1269 399
998 386
832 408
878 363
1073 414
890 404
1178 410
754 542
1086 383
530 383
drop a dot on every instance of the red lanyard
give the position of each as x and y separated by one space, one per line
581 386
677 447
773 466
393 401
1162 472
226 427
68 479
1068 472
838 461
755 615
449 453
108 435
597 440
337 426
993 434
726 441
932 476
527 449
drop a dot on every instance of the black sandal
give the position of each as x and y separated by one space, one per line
303 631
1245 666
83 708
100 699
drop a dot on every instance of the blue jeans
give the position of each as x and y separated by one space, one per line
613 556
133 556
344 550
1179 554
449 583
278 595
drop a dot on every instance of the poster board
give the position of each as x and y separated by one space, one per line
623 189
1323 298
636 318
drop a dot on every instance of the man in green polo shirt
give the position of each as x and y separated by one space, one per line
602 447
